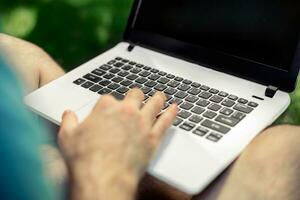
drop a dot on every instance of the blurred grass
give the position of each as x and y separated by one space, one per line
73 31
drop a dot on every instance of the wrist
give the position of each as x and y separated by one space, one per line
101 181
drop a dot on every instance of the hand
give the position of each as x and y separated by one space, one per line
108 153
33 65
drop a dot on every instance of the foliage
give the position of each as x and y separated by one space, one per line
73 31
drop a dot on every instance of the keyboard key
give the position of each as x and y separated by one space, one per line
154 70
238 115
105 67
214 107
92 78
209 114
216 99
187 126
228 103
177 121
181 94
186 81
198 110
135 70
154 77
173 84
205 95
132 77
117 79
144 73
186 106
122 90
215 126
79 81
232 97
170 76
147 68
162 73
87 84
184 114
178 79
95 88
253 104
151 83
223 94
118 64
230 121
184 87
139 65
141 80
214 137
160 87
195 119
194 91
243 101
123 73
196 85
176 100
192 99
170 91
104 91
163 80
152 93
136 85
108 76
105 83
127 67
126 82
114 70
203 103
98 72
243 108
132 63
200 131
226 111
213 91
125 60
119 58
204 87
111 62
114 86
118 95
146 90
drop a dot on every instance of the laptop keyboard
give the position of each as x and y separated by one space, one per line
204 111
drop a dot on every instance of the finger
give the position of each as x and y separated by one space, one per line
136 96
163 123
105 101
154 106
68 124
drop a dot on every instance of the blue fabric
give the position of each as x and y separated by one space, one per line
22 174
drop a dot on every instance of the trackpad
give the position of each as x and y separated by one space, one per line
84 111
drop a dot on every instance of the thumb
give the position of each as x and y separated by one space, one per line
68 124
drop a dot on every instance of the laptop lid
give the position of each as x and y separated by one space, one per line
257 40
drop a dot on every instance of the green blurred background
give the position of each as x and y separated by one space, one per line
74 31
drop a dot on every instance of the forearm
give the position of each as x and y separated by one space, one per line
91 182
33 66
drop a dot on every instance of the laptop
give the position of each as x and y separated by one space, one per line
229 65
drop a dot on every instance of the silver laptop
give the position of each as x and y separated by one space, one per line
229 65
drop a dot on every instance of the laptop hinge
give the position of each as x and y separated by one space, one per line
271 91
130 47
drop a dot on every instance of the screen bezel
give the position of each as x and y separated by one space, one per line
251 70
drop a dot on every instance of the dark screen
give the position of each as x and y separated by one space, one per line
263 31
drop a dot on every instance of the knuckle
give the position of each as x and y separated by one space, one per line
128 109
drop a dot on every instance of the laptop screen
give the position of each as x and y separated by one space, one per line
261 31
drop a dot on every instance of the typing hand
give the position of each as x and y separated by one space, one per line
108 153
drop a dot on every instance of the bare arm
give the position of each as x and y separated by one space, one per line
33 65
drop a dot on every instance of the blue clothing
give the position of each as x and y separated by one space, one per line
22 174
